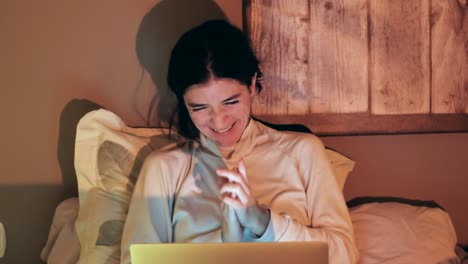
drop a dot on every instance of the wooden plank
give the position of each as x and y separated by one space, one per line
399 65
368 124
449 51
338 48
278 31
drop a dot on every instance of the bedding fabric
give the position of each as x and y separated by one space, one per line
108 157
62 245
402 231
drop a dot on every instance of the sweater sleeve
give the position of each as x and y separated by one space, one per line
149 215
326 207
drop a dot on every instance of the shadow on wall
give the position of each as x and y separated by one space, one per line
158 33
71 115
159 30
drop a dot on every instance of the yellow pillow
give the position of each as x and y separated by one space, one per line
341 166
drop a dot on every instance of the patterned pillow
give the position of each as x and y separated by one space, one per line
108 159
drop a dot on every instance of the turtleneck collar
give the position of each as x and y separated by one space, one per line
250 137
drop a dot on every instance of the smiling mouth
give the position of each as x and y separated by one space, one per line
223 131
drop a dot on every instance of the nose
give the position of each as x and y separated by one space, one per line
219 119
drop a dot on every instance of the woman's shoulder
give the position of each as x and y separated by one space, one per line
175 153
290 136
168 164
301 143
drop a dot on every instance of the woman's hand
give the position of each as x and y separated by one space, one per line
236 193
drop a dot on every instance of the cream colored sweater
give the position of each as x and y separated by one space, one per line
176 198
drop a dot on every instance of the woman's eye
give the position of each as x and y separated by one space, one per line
231 102
198 109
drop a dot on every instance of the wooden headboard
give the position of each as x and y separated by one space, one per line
350 70
362 66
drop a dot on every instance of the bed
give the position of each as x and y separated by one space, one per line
109 155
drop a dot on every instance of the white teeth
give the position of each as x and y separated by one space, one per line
223 130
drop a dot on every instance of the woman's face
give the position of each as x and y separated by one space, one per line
220 109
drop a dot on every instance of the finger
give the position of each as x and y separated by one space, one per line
243 170
233 176
222 181
234 203
237 190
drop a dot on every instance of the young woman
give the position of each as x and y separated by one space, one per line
234 179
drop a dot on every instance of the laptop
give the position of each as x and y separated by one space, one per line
231 253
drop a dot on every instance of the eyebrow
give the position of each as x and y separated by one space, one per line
224 101
195 105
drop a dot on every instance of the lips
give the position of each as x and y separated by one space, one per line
223 131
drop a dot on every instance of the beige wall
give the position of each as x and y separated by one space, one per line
52 52
424 167
55 51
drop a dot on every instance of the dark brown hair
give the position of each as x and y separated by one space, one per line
214 49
